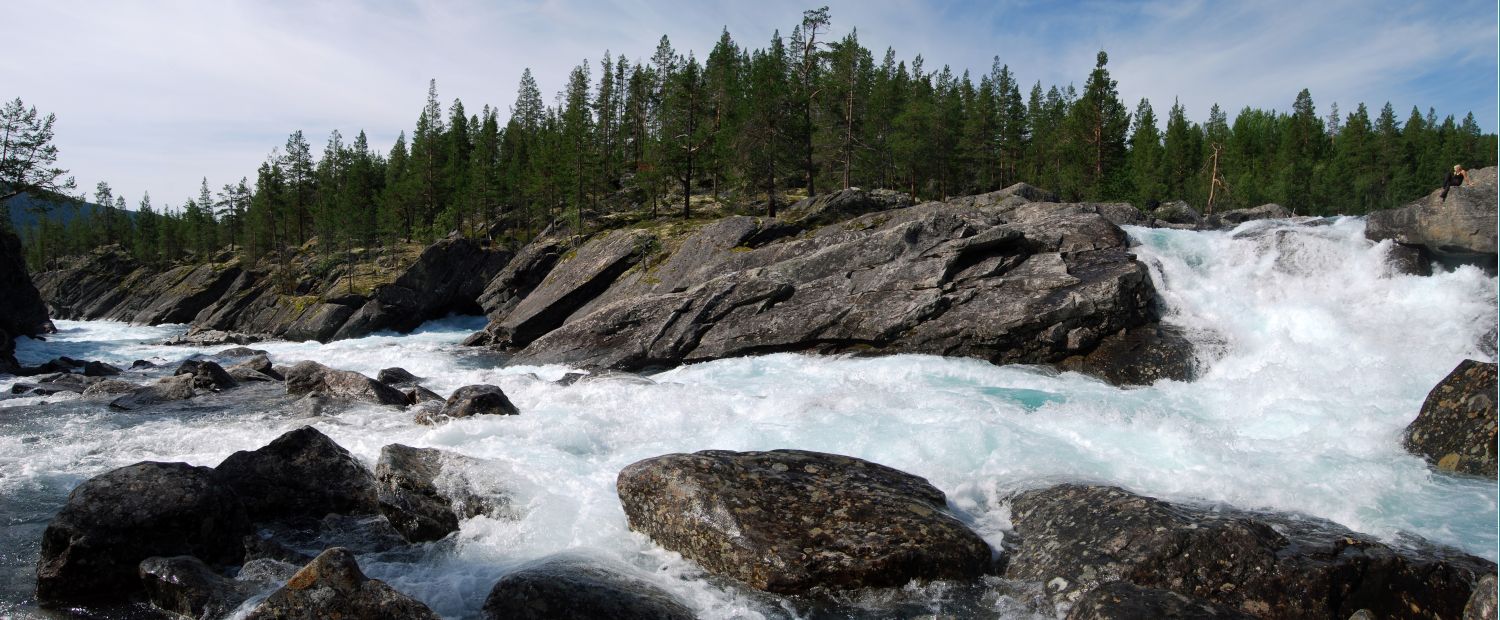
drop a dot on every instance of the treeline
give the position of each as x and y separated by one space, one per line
804 114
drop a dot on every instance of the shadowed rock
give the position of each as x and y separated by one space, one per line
92 550
167 389
1482 605
1458 229
396 377
421 494
1122 600
184 585
566 586
790 521
332 586
1074 538
206 375
301 474
1456 427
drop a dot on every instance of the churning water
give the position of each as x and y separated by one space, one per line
1315 357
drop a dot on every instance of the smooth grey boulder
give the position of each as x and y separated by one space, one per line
422 492
307 377
1455 429
791 521
259 363
185 586
1122 600
1074 538
92 550
1460 228
300 475
567 586
333 586
166 389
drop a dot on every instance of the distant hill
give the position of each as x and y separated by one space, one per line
25 210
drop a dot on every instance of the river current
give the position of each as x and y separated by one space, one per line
1315 356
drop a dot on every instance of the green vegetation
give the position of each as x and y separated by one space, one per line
748 129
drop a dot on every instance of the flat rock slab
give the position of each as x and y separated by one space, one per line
791 521
1456 427
1075 538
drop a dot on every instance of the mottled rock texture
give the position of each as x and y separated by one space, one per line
564 587
790 521
1456 427
422 492
332 586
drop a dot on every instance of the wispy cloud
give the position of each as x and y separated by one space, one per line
154 95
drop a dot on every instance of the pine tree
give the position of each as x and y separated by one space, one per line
1146 156
1097 125
577 129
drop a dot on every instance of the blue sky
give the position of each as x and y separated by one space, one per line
155 95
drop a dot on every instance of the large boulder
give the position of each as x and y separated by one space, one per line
1177 214
185 586
1138 356
207 375
563 587
1007 282
472 400
791 521
423 493
301 474
1460 228
1232 218
92 549
1456 427
23 313
308 377
1074 538
333 586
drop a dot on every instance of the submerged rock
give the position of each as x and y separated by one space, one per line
307 377
1456 427
301 474
93 548
1075 538
566 586
110 388
421 494
790 521
332 586
185 586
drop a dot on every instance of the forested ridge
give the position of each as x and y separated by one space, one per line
748 130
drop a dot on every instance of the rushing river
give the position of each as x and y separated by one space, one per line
1316 357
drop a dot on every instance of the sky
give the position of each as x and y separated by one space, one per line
158 95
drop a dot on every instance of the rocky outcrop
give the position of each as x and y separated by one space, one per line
422 492
1235 217
301 474
844 204
1456 427
790 521
92 550
23 313
563 587
333 586
1075 538
311 377
185 586
522 275
996 278
299 299
1458 229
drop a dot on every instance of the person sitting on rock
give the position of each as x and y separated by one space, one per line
1457 178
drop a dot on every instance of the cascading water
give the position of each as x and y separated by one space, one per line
1315 357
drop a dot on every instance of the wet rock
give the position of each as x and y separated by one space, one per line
1138 356
23 313
1230 219
1481 605
239 352
1409 260
423 492
110 388
301 474
206 375
1456 427
258 547
184 585
1460 228
566 586
92 549
46 389
316 404
260 364
1074 538
99 369
307 377
268 572
211 337
142 365
472 400
418 395
1122 600
166 389
332 586
791 521
396 377
245 375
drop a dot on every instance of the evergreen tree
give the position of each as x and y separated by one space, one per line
1097 125
1146 156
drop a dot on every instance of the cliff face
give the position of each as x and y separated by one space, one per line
1457 229
300 300
22 313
